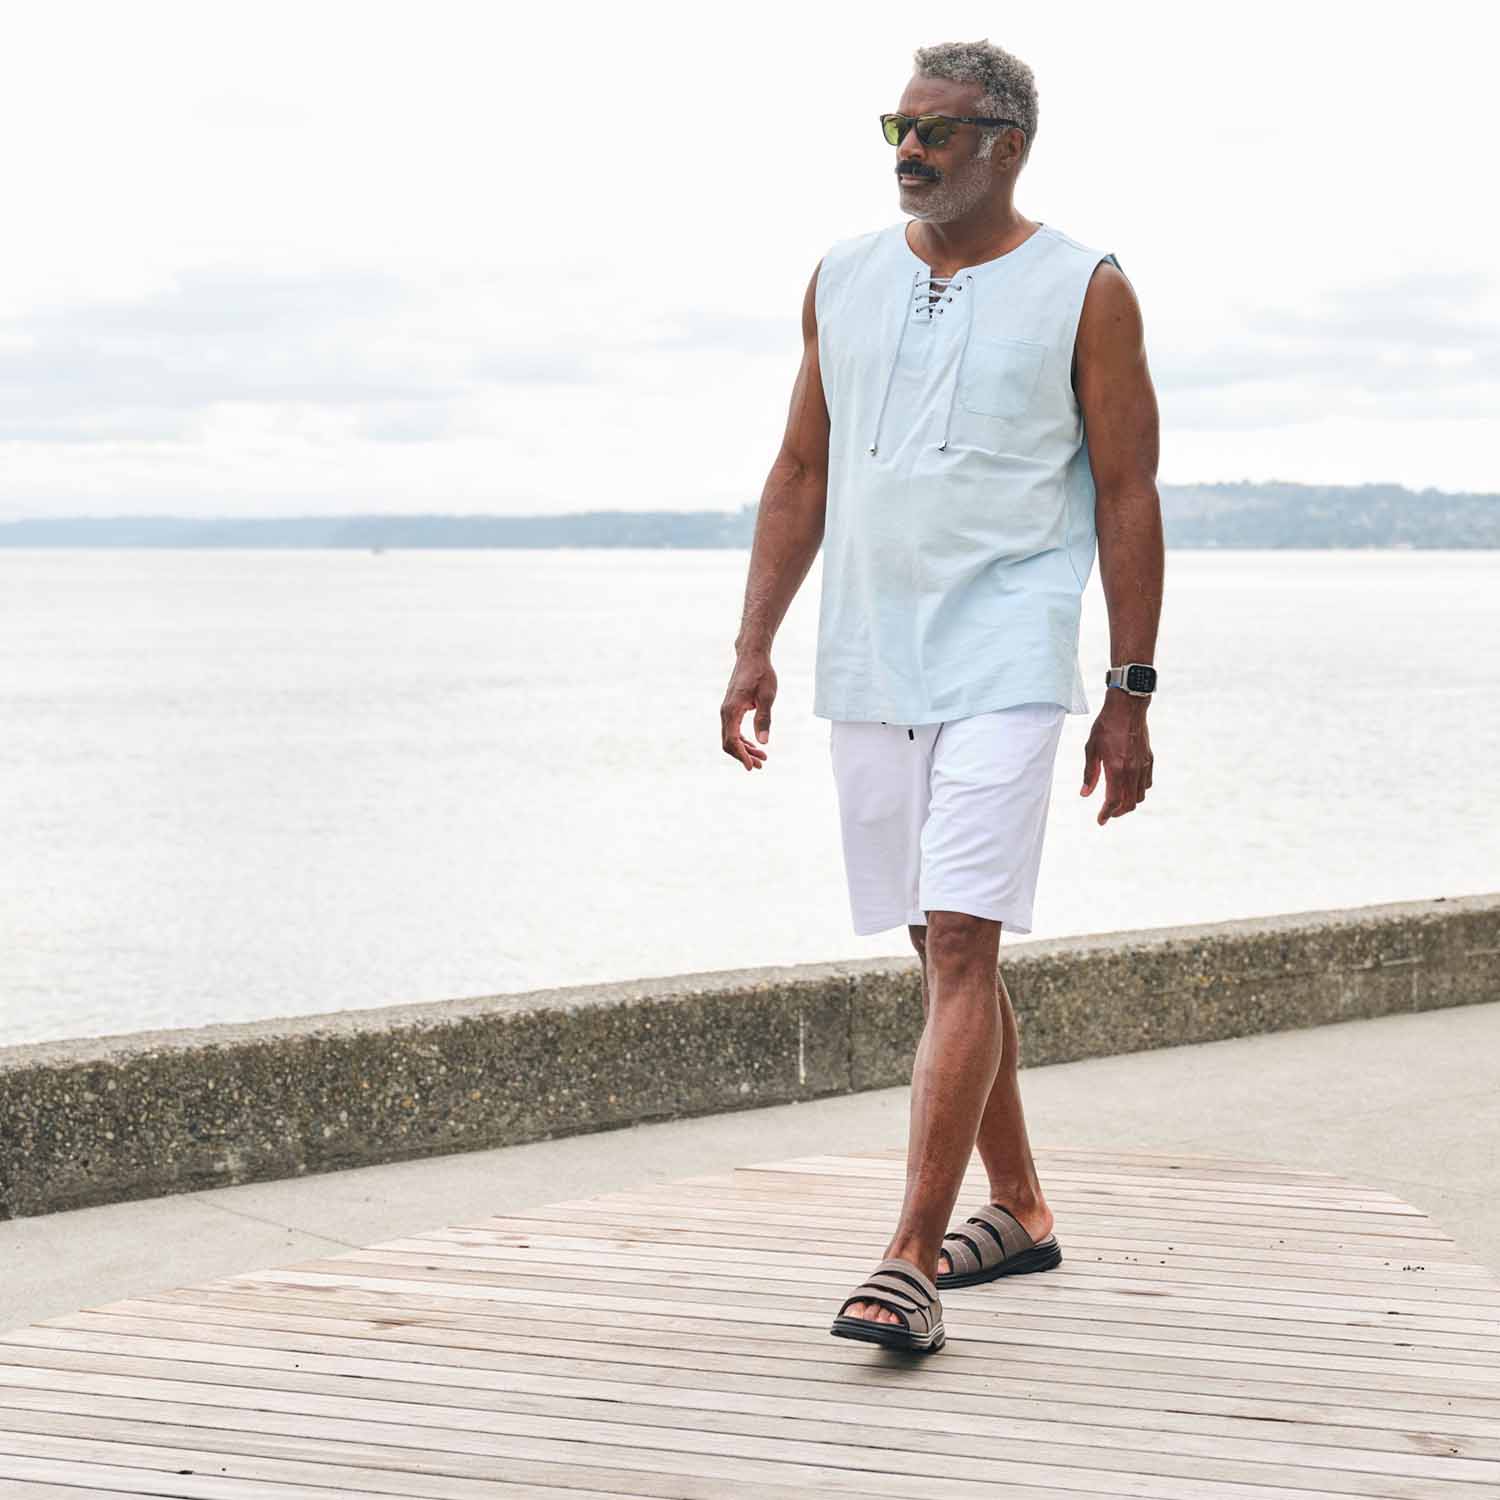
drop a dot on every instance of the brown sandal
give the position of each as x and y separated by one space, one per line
991 1243
900 1286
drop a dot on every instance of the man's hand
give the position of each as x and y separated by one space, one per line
752 685
1118 742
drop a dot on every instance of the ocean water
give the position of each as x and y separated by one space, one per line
245 784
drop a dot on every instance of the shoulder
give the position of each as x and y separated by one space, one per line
1088 258
1107 293
1110 302
1111 336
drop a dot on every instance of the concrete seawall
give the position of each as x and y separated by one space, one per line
114 1118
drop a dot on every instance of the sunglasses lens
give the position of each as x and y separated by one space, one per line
933 130
895 128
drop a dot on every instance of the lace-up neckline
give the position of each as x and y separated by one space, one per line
930 297
930 292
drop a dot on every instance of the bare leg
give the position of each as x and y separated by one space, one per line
954 1086
1004 1147
1001 1135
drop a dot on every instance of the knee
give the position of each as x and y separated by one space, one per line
959 943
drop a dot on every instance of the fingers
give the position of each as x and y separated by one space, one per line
1124 791
749 754
1126 762
1090 769
751 686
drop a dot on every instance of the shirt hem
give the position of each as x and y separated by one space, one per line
892 715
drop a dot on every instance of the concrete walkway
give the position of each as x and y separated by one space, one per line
1407 1103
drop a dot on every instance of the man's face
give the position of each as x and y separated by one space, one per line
940 183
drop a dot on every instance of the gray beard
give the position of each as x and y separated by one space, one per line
950 198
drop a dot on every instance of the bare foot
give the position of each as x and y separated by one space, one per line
1036 1220
875 1311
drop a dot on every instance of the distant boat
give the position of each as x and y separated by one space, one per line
377 549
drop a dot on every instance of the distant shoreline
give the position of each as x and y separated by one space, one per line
1236 516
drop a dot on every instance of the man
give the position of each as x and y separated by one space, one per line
972 417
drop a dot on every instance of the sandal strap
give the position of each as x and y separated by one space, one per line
901 1287
989 1235
965 1250
895 1266
1006 1226
893 1290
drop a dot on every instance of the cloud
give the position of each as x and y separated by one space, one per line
405 361
217 302
1418 345
544 366
708 330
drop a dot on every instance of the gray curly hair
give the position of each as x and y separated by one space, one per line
1009 85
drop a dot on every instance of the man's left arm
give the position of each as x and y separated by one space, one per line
1118 403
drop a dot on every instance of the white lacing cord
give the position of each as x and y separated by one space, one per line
895 360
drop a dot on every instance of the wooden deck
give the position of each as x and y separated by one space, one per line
1218 1330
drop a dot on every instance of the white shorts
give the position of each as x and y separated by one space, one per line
945 817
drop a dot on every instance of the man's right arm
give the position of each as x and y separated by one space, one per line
788 533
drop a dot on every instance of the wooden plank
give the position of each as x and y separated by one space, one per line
702 1452
159 1471
1161 1316
1219 1329
1086 1254
357 1442
1087 1163
368 1382
1360 1224
708 1288
849 1180
778 1412
705 1352
1438 1307
683 1227
762 1311
36 1489
1188 1387
122 1481
766 1205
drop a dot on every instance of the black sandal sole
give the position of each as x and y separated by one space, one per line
1040 1257
891 1335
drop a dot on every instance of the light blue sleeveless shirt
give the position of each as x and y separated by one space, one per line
960 523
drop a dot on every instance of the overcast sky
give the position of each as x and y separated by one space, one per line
277 259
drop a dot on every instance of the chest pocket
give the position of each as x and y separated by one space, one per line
1000 376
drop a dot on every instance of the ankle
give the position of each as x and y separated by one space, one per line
1017 1196
925 1259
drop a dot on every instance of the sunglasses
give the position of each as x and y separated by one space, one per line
932 130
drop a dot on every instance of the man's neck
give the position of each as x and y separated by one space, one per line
966 241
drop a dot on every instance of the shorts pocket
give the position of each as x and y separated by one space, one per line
1000 376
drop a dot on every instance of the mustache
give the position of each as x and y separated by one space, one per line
914 169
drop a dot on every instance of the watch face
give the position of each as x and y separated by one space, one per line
1141 679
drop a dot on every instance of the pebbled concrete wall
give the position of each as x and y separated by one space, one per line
136 1116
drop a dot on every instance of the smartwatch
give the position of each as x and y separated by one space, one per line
1136 678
